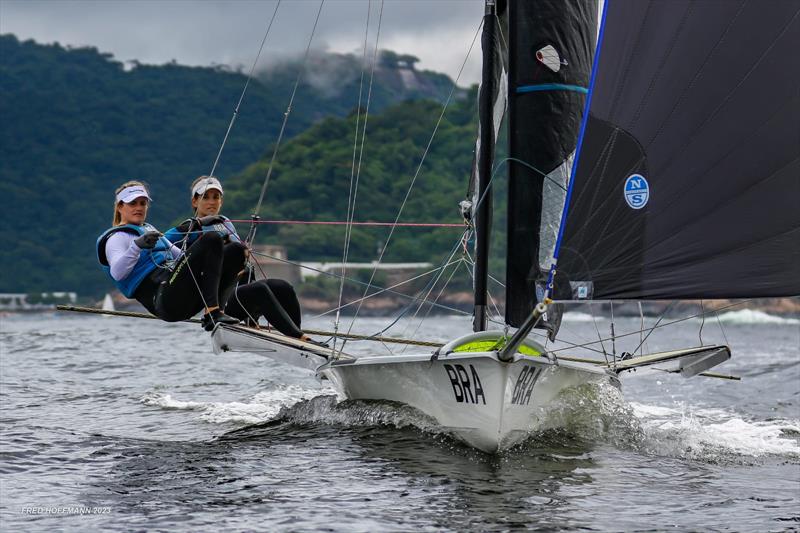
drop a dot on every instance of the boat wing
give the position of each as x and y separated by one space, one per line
237 338
690 361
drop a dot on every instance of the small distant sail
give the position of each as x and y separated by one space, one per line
108 303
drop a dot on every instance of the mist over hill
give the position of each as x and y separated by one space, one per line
77 123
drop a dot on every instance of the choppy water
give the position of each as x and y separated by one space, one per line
138 421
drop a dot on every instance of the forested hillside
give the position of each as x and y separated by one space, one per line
76 123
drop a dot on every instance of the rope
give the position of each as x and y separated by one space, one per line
416 173
657 326
359 282
241 98
439 295
352 336
703 323
286 115
353 190
132 314
345 223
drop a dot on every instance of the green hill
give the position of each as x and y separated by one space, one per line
76 123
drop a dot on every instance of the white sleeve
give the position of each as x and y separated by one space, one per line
122 254
175 251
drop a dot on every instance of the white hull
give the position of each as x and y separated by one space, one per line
489 404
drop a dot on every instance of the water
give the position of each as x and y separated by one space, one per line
138 422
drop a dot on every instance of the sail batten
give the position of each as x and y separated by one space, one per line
687 177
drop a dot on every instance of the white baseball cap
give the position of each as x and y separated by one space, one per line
129 194
208 182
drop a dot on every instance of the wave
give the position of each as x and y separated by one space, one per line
592 413
750 316
715 435
581 317
263 407
599 413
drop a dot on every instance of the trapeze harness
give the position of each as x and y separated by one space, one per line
173 292
224 228
274 299
149 259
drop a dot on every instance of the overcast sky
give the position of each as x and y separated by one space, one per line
203 32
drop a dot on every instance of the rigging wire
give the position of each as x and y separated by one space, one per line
702 323
425 298
359 282
344 223
417 297
667 310
724 336
599 336
285 120
185 240
613 336
588 345
471 272
349 218
641 329
355 172
244 90
416 173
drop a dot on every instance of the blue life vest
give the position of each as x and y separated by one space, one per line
149 259
225 229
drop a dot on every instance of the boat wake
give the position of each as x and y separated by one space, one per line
262 407
750 316
591 413
716 435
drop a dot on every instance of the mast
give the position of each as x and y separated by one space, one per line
483 219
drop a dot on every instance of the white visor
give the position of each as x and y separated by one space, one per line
206 183
129 194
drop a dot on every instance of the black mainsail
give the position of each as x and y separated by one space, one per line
551 45
687 179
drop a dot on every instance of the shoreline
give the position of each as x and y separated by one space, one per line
461 303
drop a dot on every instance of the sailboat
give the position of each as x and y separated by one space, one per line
108 303
656 159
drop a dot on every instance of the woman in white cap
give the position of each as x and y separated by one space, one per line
274 299
206 203
171 284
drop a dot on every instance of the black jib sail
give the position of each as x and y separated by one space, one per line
551 45
687 183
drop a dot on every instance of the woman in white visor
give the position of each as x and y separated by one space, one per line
144 265
274 299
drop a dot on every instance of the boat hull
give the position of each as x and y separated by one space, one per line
489 404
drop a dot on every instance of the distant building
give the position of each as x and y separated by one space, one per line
274 260
312 269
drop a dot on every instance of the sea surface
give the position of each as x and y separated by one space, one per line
127 424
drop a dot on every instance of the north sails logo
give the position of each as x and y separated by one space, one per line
549 57
637 191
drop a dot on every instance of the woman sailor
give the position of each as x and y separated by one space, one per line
274 299
171 284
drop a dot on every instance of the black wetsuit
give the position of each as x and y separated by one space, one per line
274 299
202 277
